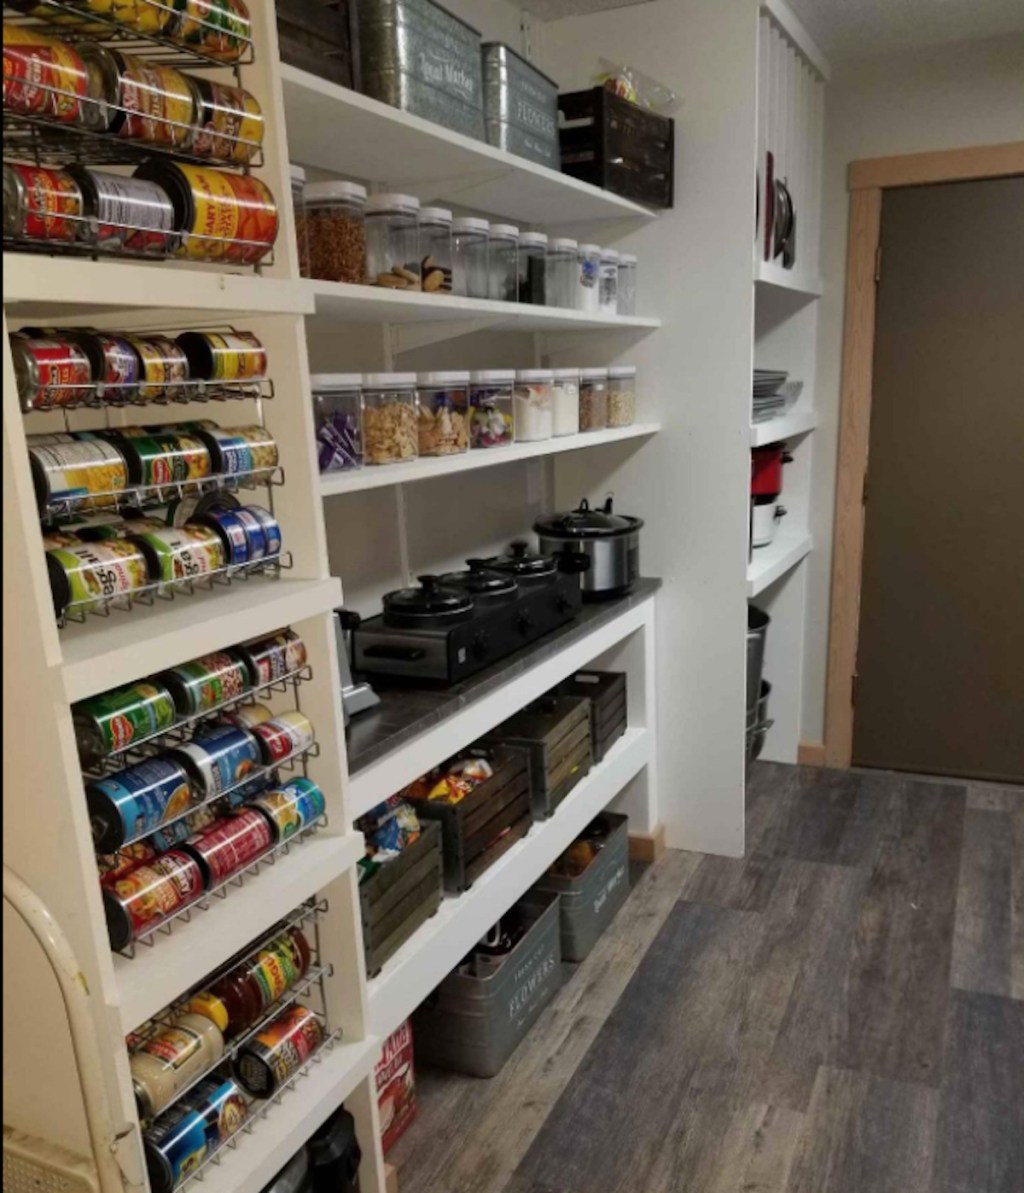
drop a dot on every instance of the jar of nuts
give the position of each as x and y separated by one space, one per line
443 413
298 177
436 249
393 242
336 230
593 399
621 395
390 431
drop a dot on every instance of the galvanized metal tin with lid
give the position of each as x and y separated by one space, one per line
520 106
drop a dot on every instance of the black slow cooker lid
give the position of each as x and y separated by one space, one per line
521 561
481 579
430 599
586 523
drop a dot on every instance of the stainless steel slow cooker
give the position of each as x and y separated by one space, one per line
603 546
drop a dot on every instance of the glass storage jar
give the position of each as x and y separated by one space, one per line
608 283
561 268
532 405
298 176
587 278
490 400
621 395
443 414
436 249
565 402
593 399
390 433
393 242
336 230
469 257
503 263
533 247
626 299
338 415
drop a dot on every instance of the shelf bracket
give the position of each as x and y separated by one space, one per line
405 337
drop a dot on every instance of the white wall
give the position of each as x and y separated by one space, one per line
940 98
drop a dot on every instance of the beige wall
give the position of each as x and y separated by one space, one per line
941 98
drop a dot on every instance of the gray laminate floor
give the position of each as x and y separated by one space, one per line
842 1011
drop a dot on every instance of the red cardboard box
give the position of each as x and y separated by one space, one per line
396 1086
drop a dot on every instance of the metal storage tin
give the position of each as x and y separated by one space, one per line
590 902
520 106
473 1025
417 56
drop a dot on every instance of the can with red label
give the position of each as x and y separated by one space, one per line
224 356
150 102
284 735
270 658
220 758
126 214
51 372
148 894
115 365
201 685
229 123
221 29
229 845
181 553
42 204
279 1051
50 78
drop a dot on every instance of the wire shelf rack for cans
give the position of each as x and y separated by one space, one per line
95 395
148 938
166 590
184 728
52 18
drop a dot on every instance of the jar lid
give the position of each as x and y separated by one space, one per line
609 255
327 381
533 238
298 173
471 223
593 374
566 374
564 242
534 375
389 202
387 380
437 215
452 377
584 523
521 561
507 230
493 375
590 248
430 600
321 192
627 258
482 580
622 371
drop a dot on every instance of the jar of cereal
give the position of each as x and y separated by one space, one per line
443 413
335 220
621 395
390 433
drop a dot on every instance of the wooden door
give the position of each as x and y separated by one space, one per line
940 662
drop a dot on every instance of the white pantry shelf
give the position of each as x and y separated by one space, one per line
101 653
771 563
37 287
342 302
333 128
775 277
788 426
158 974
334 484
441 943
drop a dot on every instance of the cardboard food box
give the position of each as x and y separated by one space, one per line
396 1086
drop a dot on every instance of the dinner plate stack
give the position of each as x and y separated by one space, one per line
768 402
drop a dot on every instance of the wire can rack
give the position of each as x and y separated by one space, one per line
96 395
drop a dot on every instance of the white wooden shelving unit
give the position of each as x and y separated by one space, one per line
781 430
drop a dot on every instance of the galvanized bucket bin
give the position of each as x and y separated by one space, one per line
520 106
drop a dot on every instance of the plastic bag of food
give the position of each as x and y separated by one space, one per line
629 83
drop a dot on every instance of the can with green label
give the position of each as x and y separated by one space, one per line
111 722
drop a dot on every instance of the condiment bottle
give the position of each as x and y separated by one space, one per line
172 1059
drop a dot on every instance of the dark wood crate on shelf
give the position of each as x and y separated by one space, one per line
321 36
617 145
555 730
403 894
487 822
606 691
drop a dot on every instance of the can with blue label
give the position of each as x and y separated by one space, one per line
229 526
192 1130
137 800
291 807
255 534
271 529
219 758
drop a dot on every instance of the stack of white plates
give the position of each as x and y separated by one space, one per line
768 402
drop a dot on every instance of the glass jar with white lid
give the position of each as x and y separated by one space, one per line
298 180
593 399
587 278
436 249
565 402
608 283
335 213
390 430
561 273
503 263
338 417
621 395
393 241
443 413
626 298
533 247
532 405
469 257
490 399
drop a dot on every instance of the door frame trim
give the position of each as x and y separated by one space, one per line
867 180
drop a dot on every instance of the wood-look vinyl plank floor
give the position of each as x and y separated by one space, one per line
840 1011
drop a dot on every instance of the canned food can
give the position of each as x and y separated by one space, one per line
229 123
127 214
184 509
219 758
173 835
180 1140
221 29
248 716
145 16
231 844
241 451
42 204
114 363
181 553
60 538
201 685
227 525
71 472
270 658
111 722
279 1051
285 735
51 373
292 807
221 216
271 529
149 894
112 866
164 368
50 78
137 800
157 460
151 102
224 356
98 528
84 576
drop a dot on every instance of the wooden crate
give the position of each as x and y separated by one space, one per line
321 36
488 822
606 691
402 895
555 730
617 145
